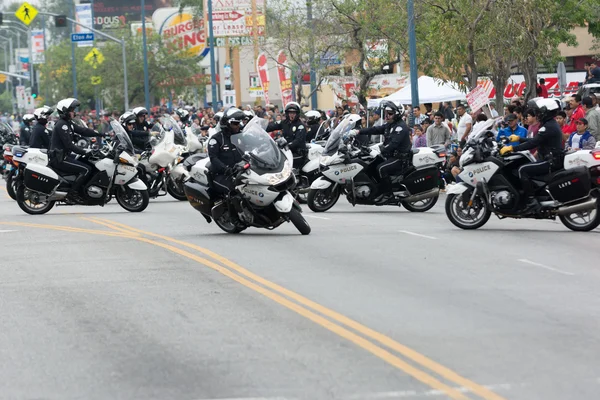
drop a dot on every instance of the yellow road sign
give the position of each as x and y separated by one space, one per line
94 58
2 78
96 80
26 13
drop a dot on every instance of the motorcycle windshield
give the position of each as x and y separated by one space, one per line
335 138
121 138
169 123
261 149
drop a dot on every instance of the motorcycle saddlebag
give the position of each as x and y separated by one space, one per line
422 180
40 179
570 185
198 196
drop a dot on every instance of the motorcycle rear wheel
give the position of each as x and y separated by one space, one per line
421 205
589 220
32 203
224 222
455 211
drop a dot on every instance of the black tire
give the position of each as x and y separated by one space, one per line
428 204
314 199
224 222
174 189
11 185
591 224
455 200
23 197
299 222
126 197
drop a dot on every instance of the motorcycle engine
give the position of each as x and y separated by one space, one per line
362 192
503 199
95 192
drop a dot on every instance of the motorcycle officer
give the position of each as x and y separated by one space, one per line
25 134
61 144
548 142
313 120
222 152
396 148
184 117
138 138
293 131
140 123
39 137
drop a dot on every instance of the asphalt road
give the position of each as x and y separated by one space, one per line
377 303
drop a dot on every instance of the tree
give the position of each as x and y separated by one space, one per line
458 33
376 36
169 67
305 46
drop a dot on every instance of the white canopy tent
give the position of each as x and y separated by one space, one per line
431 90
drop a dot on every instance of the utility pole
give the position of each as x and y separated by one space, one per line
311 55
412 53
145 51
211 43
73 62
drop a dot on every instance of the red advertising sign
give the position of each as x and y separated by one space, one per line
263 73
285 78
477 98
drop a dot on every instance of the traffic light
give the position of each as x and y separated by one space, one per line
60 21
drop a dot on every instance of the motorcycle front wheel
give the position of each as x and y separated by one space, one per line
299 222
226 223
475 217
11 186
132 200
175 189
321 200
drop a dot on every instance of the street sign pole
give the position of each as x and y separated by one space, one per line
412 53
145 51
73 62
114 39
211 43
31 81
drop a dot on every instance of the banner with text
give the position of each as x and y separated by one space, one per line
37 46
83 15
234 17
285 78
263 73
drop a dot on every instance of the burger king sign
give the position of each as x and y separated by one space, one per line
181 29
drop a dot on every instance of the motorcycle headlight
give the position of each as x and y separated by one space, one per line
282 176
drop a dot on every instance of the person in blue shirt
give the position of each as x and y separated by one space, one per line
512 129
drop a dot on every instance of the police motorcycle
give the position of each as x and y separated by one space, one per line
8 139
115 174
178 173
262 185
490 184
156 165
351 171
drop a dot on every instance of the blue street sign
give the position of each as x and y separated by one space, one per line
82 37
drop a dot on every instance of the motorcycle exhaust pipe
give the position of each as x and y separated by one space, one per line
585 206
58 196
422 196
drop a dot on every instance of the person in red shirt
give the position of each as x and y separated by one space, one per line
542 89
578 113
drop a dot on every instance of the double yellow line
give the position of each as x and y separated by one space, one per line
420 367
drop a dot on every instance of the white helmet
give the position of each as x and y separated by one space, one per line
42 113
65 106
139 111
218 116
28 118
292 106
313 116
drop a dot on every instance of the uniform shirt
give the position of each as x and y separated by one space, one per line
62 138
396 138
222 152
39 137
294 133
